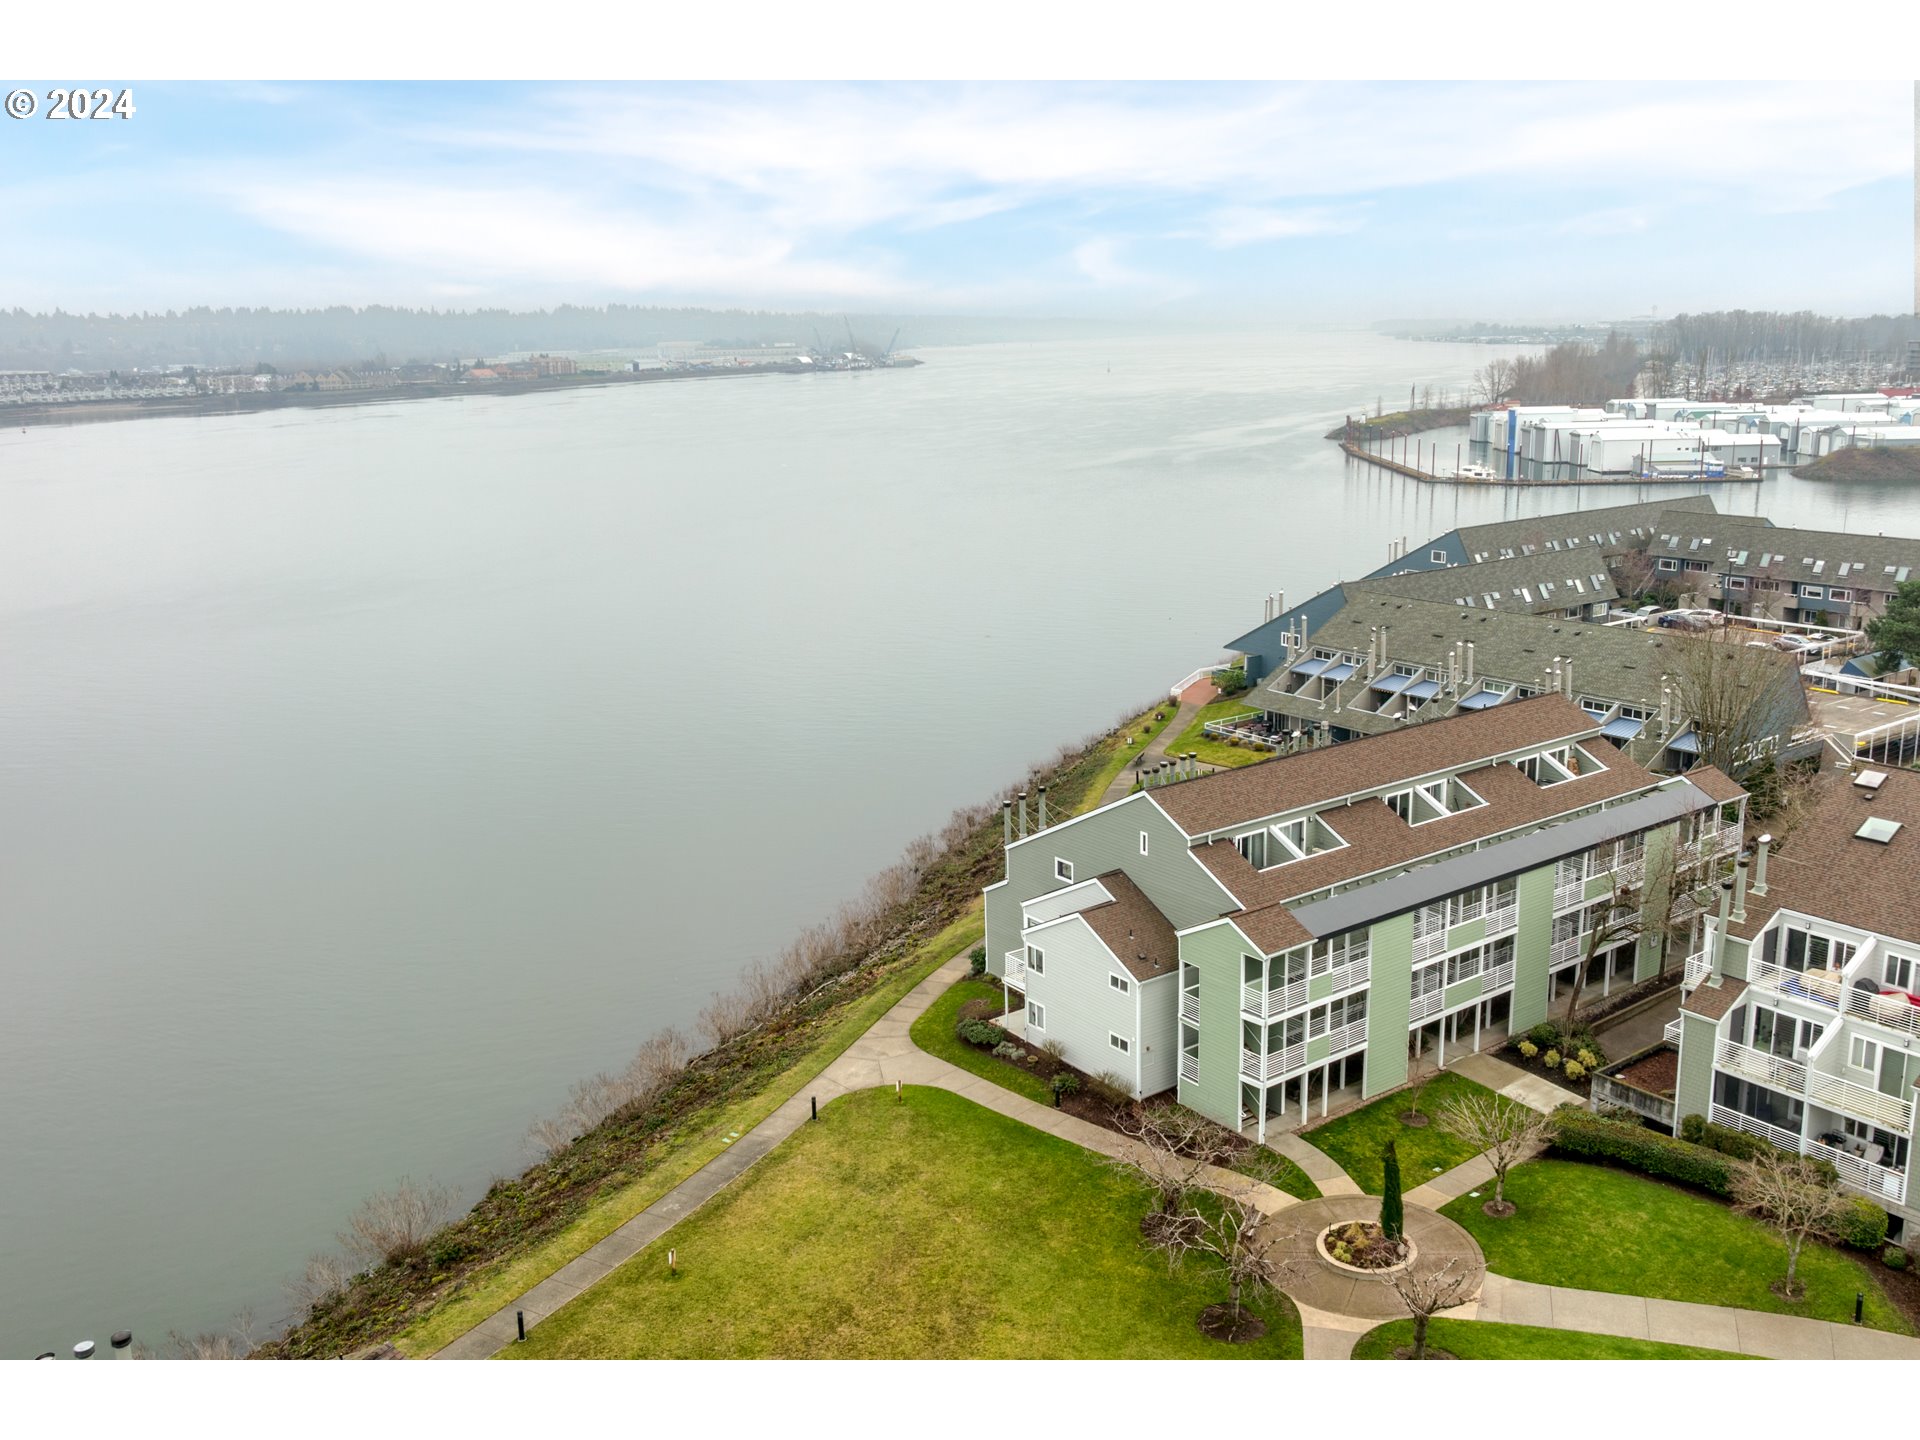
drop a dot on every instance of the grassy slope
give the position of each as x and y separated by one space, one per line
695 1139
1593 1228
1355 1140
487 1292
933 1033
926 1228
1144 729
1216 752
1487 1340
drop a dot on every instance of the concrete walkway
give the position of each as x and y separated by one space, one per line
1320 1167
1153 754
883 1056
1534 1091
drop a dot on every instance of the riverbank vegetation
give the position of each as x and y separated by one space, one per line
1859 463
924 1227
1361 428
641 1131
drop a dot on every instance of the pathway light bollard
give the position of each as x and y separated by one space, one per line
520 1320
815 1101
673 1262
1859 1305
899 1090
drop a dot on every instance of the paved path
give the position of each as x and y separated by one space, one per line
1153 754
883 1056
1534 1091
1321 1167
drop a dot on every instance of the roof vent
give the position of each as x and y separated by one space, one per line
1870 779
1878 830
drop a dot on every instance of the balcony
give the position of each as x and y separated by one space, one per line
1881 1182
1835 990
1565 951
1190 1067
1497 977
1016 969
1699 966
1862 1102
1420 1007
1747 1124
1190 1006
1274 1064
1776 1072
1506 918
1672 1033
1264 1004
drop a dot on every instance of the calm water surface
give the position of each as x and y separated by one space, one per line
369 775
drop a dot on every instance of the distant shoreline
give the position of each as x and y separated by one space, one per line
89 412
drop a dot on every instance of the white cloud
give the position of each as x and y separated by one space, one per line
1243 225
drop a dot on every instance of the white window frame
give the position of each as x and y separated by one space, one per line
1062 869
1143 842
1117 1041
1438 557
1665 563
1120 983
1036 1015
1869 1049
1036 960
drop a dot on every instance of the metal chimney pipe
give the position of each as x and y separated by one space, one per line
1023 814
1043 807
1006 822
1469 662
1740 887
1760 868
1720 931
1568 672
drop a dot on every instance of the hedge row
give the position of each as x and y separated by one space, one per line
1742 1146
1578 1132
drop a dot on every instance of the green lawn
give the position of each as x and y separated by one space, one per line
1277 1171
702 1138
933 1033
1211 751
1143 728
1487 1340
1355 1140
923 1228
1594 1228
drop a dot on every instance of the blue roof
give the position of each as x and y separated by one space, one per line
1481 699
1687 744
1338 672
1623 728
1390 684
1425 690
1310 667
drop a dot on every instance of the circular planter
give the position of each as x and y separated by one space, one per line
1320 1253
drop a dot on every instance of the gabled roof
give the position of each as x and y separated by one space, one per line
1316 777
1790 553
1544 531
1132 927
1471 584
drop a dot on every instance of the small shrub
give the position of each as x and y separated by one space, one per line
1698 1130
1620 1114
1553 1059
1007 1050
1587 1058
1109 1088
1692 1127
1529 1049
1055 1050
1894 1258
1547 1035
1575 1070
1861 1224
1066 1083
980 1032
977 961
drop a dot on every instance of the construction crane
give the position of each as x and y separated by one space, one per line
887 353
853 345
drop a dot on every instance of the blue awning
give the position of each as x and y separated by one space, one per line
1425 690
1481 699
1622 729
1338 672
1391 684
1687 744
1310 667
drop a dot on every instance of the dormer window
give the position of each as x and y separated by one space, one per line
1434 800
1557 766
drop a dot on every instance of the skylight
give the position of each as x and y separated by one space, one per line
1878 830
1870 779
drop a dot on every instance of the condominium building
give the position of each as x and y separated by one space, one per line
1801 1022
1746 565
1258 939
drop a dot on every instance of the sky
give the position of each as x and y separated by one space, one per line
1227 201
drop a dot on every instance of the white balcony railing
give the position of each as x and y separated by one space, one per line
1190 1067
1564 952
1190 1006
1506 918
1433 943
1672 1033
1346 1037
1267 1003
1882 1182
1863 1102
1498 977
1016 968
1699 966
1772 1134
1422 1006
1776 1072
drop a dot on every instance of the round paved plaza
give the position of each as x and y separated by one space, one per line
1313 1280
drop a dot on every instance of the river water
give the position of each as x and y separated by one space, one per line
368 775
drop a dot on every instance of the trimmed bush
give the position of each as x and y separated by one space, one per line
1588 1137
1066 1083
1109 1087
977 961
1575 1070
1529 1049
1547 1035
1894 1258
1698 1130
980 1032
1552 1058
1861 1224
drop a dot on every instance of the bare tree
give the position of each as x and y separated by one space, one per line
1493 382
1651 900
1795 1199
1743 700
323 1277
234 1344
395 1224
1504 1131
1425 1295
1228 1230
1174 1152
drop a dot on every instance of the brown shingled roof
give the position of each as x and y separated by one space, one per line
1714 1001
1133 928
1715 784
1824 868
1232 797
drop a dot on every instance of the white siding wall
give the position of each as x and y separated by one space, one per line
1159 1032
1081 1007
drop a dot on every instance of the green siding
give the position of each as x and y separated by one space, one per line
1319 987
1737 952
1695 1085
1600 886
1471 933
1531 943
1648 955
1318 1048
1464 991
1391 943
1216 953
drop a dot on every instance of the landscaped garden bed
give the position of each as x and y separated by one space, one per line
1566 1057
923 1227
1364 1246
